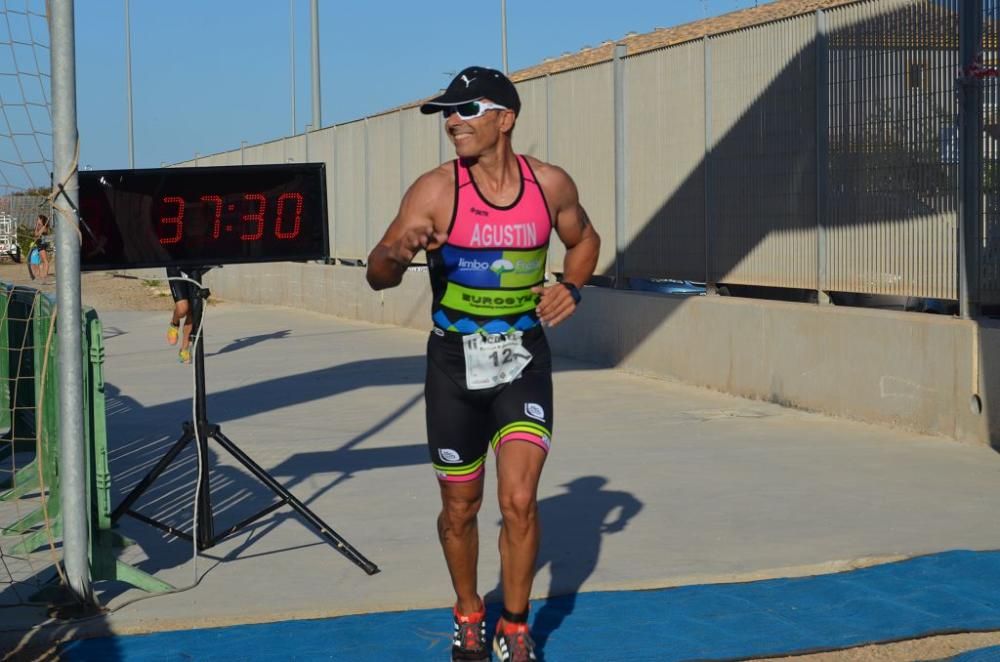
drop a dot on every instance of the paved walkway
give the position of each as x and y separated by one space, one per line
650 484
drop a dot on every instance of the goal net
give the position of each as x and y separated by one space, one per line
26 555
25 116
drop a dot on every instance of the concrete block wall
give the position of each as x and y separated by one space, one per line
906 370
332 290
925 373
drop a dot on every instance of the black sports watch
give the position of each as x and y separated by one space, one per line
573 292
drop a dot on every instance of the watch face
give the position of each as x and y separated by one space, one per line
202 216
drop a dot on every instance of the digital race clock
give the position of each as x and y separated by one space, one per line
203 216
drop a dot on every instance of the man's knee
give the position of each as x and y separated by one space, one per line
518 504
460 510
181 308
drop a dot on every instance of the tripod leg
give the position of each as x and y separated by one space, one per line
144 484
206 526
321 527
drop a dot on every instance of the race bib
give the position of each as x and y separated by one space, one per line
493 359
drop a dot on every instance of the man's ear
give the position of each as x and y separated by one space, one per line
507 119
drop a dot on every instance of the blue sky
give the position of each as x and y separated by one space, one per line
207 74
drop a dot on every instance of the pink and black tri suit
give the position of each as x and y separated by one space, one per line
481 280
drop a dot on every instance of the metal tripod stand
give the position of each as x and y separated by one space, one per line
200 432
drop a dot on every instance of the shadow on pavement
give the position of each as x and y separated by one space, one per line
573 526
235 494
243 343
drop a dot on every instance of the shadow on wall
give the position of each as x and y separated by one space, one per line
889 183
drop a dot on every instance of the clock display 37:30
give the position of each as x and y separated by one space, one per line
287 216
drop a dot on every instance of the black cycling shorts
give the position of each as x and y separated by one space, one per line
179 289
462 424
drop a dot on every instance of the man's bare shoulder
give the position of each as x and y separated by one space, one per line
555 181
431 195
433 182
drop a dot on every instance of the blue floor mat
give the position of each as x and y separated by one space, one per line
990 654
955 591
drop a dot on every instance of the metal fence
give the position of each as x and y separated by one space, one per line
892 196
989 245
24 209
817 152
31 515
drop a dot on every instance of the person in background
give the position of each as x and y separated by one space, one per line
181 322
43 238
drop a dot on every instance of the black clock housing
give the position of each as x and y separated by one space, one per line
201 217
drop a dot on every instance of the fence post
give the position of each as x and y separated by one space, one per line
366 189
822 82
548 157
548 117
442 142
970 96
65 145
332 209
618 81
710 285
402 156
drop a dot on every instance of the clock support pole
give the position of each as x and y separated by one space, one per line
200 431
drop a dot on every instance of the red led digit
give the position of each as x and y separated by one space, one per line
217 218
296 226
257 217
177 220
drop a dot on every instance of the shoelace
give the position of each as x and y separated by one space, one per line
521 647
525 649
469 636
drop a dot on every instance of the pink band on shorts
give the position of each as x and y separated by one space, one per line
541 442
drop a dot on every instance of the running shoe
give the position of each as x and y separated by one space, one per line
513 643
469 642
173 333
184 356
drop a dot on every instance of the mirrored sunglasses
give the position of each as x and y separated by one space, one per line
471 110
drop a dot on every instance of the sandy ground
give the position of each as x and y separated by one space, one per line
105 291
914 650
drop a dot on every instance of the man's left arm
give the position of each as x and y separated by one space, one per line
583 246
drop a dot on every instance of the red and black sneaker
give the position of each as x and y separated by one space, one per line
513 643
469 642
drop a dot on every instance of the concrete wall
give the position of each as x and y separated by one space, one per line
903 369
332 290
909 370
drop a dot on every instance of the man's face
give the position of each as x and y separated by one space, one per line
472 137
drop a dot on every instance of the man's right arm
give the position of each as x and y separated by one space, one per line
411 231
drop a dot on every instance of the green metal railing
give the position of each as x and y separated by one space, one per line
29 412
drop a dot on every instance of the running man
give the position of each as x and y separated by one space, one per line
485 221
182 291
